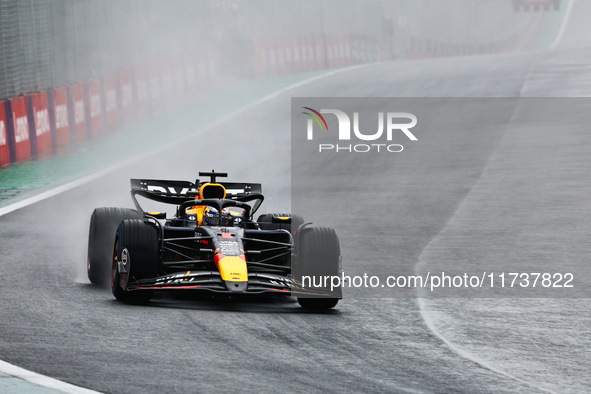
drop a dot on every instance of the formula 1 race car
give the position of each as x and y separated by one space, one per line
212 244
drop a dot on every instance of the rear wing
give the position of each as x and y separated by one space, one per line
177 192
234 190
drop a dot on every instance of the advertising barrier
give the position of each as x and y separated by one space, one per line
79 112
167 84
260 58
330 52
297 55
126 89
287 55
282 54
141 90
272 58
320 52
22 142
273 49
190 78
309 51
346 51
95 112
277 56
302 49
4 152
39 128
61 118
155 88
111 106
179 79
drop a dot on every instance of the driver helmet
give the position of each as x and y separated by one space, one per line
211 217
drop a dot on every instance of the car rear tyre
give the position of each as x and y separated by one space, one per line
319 256
137 247
103 226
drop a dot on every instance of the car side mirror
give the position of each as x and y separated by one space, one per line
156 215
280 219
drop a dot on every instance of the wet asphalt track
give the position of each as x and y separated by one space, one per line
53 322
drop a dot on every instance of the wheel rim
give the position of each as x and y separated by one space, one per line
114 261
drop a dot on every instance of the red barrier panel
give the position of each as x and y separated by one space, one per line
308 43
41 123
62 123
203 65
21 128
167 84
80 128
141 90
337 51
340 51
126 88
303 53
180 87
96 112
155 87
320 53
330 52
190 74
285 55
4 153
111 109
347 50
297 54
281 47
272 57
276 56
260 56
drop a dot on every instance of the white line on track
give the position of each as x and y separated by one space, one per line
42 380
46 381
421 301
421 297
565 21
465 354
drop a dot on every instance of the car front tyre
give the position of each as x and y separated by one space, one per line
103 226
319 255
137 248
